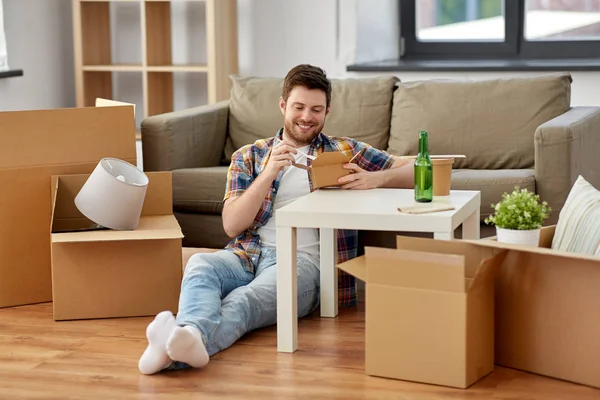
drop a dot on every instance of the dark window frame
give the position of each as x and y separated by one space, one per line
514 46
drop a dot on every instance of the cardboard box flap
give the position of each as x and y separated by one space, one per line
356 267
331 158
153 227
473 254
100 102
486 271
35 138
546 235
159 195
70 225
158 200
415 269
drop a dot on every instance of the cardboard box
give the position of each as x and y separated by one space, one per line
548 311
34 145
103 273
327 168
429 310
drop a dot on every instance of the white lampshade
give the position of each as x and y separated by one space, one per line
113 195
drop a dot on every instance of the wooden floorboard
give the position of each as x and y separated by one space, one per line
43 359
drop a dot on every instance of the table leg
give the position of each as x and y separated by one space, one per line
329 273
470 228
287 289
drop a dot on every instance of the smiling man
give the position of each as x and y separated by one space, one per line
226 294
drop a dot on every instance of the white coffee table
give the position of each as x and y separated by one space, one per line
332 209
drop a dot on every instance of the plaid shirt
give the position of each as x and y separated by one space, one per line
248 162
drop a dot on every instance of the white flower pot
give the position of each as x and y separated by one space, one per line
527 238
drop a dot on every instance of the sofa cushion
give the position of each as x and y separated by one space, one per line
490 121
360 109
578 226
492 184
199 189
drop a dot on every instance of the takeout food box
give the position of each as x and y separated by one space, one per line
429 310
327 168
34 145
547 311
104 273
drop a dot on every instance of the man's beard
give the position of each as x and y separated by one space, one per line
300 138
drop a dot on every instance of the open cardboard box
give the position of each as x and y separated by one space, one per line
429 310
34 145
103 273
548 311
327 168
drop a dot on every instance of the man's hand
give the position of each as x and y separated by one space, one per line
360 179
281 157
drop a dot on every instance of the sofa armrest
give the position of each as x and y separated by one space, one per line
190 138
566 147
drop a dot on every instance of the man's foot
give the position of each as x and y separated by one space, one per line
186 345
155 358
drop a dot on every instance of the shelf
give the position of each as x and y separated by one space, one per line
176 90
111 68
160 55
177 68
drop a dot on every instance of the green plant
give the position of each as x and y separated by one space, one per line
519 210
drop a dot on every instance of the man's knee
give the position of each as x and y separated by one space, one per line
199 261
210 264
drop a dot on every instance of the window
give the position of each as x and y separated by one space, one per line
527 29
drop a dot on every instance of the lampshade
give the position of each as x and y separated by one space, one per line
113 195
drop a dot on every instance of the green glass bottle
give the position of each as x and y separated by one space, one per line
423 171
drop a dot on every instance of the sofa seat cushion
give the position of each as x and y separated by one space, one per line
492 184
361 108
491 121
199 190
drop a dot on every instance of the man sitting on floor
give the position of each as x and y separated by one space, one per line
233 291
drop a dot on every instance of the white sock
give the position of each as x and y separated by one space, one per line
186 345
155 358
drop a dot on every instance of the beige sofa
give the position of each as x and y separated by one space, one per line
517 131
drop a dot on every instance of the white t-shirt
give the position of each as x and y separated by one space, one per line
294 184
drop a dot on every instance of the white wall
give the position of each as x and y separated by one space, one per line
39 41
3 56
276 35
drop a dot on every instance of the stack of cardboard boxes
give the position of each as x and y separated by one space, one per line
45 157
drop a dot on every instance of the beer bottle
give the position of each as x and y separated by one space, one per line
423 171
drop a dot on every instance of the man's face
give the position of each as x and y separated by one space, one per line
304 114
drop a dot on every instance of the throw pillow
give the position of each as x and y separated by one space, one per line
578 227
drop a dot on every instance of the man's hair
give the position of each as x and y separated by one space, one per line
310 77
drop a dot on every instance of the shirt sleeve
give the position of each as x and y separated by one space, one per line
239 174
371 159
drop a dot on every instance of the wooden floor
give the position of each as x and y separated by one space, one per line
43 359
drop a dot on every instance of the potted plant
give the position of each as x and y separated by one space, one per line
519 217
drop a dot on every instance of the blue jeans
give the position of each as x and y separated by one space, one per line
225 301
